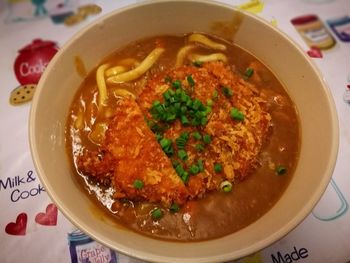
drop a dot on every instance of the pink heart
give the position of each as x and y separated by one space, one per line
18 228
315 52
49 218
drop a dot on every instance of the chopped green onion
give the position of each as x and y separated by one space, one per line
217 168
175 163
196 135
156 103
185 97
248 72
185 135
158 136
165 143
182 155
196 104
138 184
194 169
189 103
281 170
166 95
206 138
197 63
210 102
170 116
179 170
176 84
226 186
185 176
167 79
204 121
215 95
195 122
236 114
184 120
200 165
199 147
182 140
174 208
190 80
227 91
180 143
157 214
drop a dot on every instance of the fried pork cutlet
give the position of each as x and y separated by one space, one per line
135 156
131 152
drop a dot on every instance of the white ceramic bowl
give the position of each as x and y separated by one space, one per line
302 80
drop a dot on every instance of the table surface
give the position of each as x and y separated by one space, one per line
31 228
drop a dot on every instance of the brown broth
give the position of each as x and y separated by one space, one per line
217 214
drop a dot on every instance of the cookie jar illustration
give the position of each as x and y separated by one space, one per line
29 66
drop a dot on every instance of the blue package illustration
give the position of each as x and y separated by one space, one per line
341 27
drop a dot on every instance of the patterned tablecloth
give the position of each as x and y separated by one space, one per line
31 228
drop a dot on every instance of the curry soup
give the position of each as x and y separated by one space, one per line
183 138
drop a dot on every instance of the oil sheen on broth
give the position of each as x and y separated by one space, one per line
196 143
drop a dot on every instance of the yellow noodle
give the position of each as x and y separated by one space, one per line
101 84
135 73
181 55
97 134
123 93
115 71
122 66
129 62
206 41
205 58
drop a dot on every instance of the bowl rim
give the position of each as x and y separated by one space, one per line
296 220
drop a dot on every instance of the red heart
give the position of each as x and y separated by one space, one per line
315 52
18 228
49 218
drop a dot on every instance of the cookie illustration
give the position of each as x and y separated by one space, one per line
22 94
82 13
90 9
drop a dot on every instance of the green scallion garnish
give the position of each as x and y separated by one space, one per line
236 114
204 121
206 138
190 80
164 143
199 147
210 102
185 176
200 165
194 169
217 168
182 155
176 84
138 184
174 208
157 214
226 186
227 91
196 135
167 79
197 63
215 95
248 72
281 170
179 169
184 120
